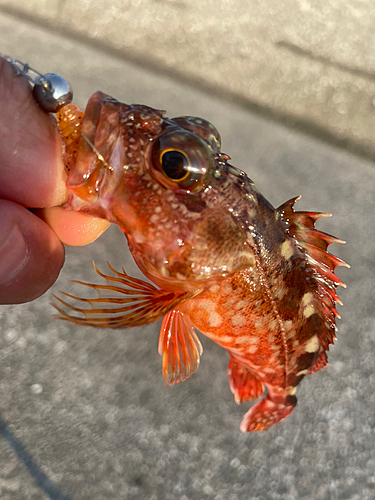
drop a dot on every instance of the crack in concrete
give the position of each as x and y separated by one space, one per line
42 480
352 70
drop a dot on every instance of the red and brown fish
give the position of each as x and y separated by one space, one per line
257 280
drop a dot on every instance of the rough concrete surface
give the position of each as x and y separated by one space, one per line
85 413
305 62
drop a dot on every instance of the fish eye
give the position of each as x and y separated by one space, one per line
175 164
182 160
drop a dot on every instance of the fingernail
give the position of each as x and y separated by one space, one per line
13 254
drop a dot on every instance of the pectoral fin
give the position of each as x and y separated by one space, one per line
128 302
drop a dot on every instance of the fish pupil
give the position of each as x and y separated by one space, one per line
175 165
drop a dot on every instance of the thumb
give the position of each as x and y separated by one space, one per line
31 255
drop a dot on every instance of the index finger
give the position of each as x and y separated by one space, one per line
31 167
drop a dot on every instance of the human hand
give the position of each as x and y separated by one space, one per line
32 176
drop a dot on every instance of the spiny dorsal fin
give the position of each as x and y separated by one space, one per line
132 302
179 347
322 264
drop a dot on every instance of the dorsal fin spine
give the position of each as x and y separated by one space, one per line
321 264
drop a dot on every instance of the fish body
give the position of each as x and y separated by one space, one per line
256 280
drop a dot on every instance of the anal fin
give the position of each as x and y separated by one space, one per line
242 382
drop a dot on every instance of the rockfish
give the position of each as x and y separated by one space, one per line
256 280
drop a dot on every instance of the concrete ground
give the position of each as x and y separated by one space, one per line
85 413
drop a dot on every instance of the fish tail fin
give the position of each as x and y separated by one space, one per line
269 411
242 382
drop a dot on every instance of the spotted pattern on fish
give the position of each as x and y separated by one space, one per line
258 281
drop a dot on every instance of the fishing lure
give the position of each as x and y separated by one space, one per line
257 280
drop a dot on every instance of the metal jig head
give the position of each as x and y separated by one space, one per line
51 91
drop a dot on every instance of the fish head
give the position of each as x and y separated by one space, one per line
169 188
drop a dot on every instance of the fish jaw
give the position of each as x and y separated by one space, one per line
113 139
